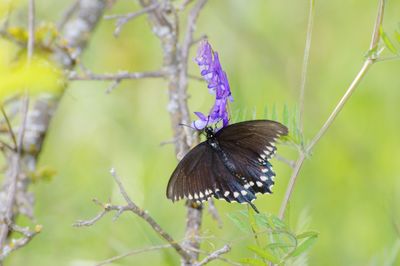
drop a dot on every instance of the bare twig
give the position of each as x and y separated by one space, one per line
184 4
354 84
68 14
16 244
132 207
123 19
305 63
280 158
214 212
215 255
10 130
31 29
12 177
133 252
76 34
117 76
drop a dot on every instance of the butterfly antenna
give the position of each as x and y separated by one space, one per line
181 124
194 128
254 207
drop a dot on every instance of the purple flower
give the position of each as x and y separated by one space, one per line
218 85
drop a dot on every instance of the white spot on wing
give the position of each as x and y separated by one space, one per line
251 183
247 185
243 192
236 194
264 170
226 194
201 194
196 196
263 178
190 196
259 184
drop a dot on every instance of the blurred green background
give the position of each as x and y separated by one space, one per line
348 190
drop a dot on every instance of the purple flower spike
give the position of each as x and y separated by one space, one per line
218 85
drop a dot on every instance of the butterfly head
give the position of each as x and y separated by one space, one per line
209 132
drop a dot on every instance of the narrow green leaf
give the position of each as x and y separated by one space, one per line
387 41
254 116
244 114
285 115
278 223
235 115
397 36
262 220
239 222
307 234
274 115
264 253
279 245
252 261
306 244
266 112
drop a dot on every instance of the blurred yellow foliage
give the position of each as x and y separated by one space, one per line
6 6
16 75
45 34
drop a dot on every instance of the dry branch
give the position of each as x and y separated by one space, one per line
132 207
77 32
215 255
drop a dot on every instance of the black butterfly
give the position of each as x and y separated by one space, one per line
232 164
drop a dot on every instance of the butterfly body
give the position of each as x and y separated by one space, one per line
232 164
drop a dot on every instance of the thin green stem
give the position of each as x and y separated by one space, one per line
306 57
354 84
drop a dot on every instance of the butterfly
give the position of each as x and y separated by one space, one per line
232 164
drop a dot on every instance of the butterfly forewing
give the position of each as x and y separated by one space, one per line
193 175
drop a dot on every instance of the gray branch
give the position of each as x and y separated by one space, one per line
132 207
77 31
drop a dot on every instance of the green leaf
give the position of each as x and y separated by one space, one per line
278 223
397 36
274 115
266 112
252 261
262 220
244 114
285 115
387 41
306 244
279 245
264 253
254 115
239 222
307 234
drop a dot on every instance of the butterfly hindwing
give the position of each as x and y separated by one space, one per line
202 174
249 145
228 186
